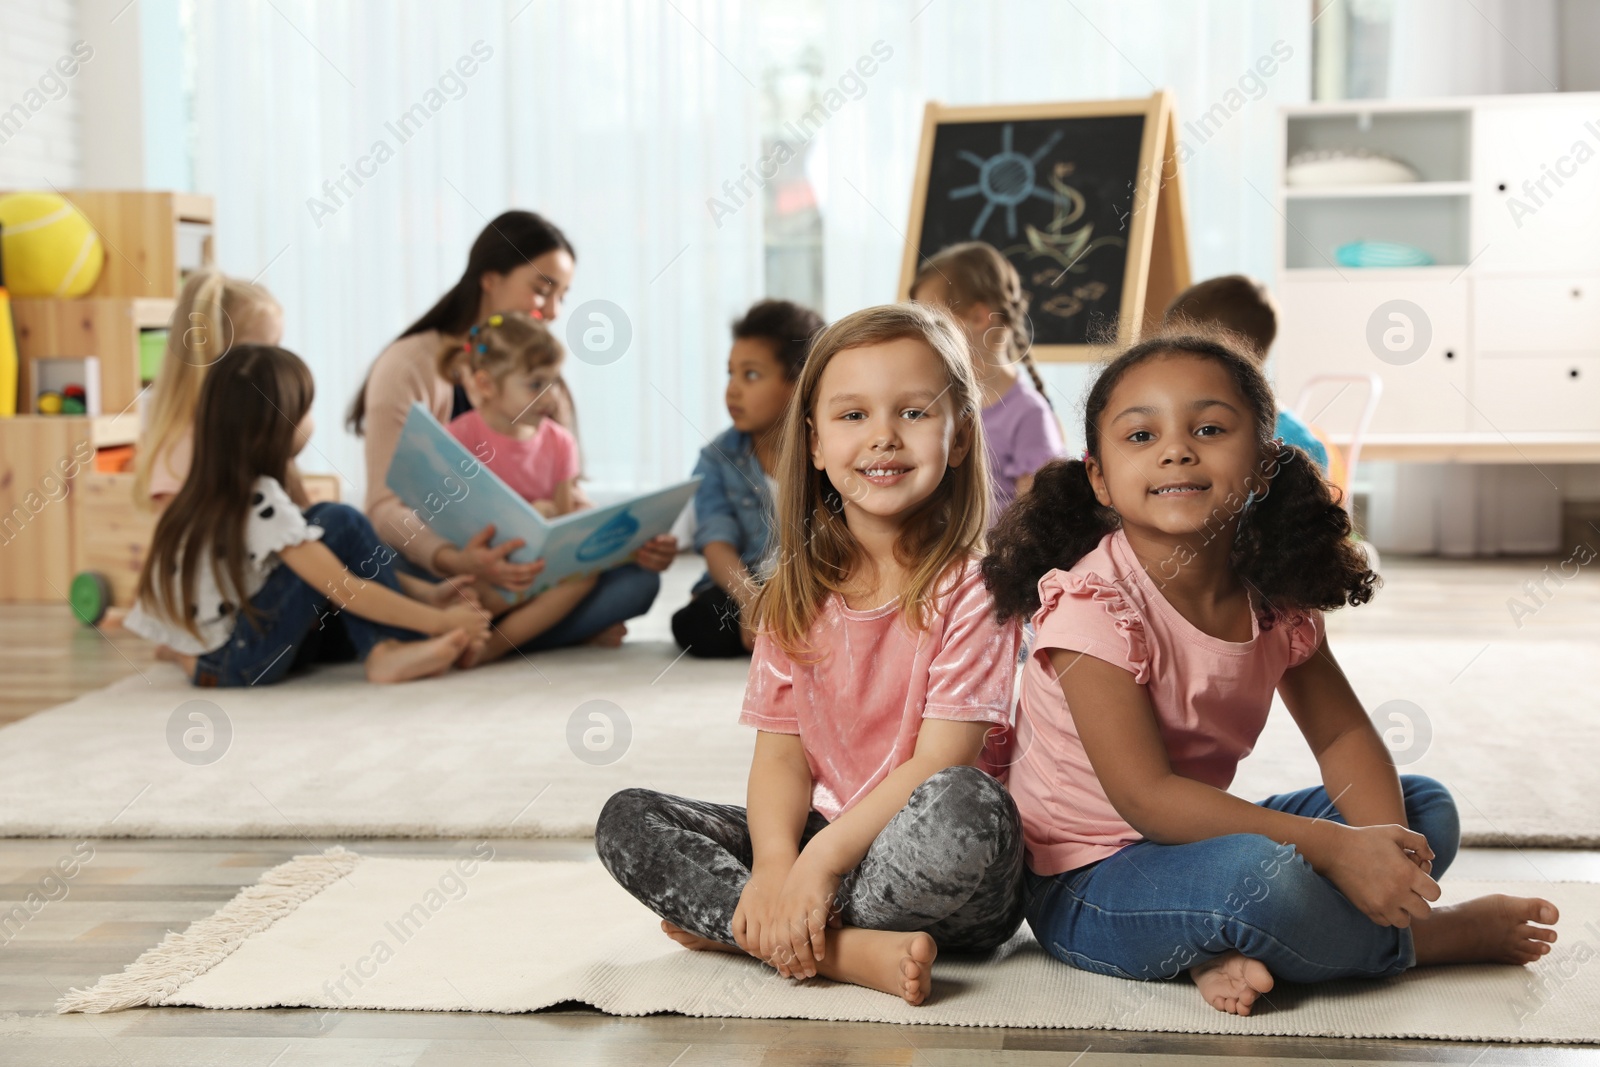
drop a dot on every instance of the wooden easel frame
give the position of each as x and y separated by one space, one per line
1158 243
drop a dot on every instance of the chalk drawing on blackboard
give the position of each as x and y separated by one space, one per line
1006 179
1064 249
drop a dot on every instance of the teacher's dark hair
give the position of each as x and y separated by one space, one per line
513 239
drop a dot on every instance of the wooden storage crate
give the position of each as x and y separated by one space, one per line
106 327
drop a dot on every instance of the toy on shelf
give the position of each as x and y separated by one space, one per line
49 246
67 385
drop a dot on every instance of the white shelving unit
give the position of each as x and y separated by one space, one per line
1512 302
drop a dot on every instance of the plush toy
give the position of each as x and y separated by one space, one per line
48 246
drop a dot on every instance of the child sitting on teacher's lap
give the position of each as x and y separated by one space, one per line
510 365
1176 577
733 505
872 840
237 585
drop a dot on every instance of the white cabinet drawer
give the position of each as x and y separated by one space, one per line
1530 394
1536 315
1327 328
1536 206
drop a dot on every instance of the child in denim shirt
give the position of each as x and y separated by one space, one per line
733 506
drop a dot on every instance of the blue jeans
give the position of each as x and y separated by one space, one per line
297 623
622 593
1153 911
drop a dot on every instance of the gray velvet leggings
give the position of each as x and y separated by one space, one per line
949 862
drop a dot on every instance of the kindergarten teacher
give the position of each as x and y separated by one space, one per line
520 262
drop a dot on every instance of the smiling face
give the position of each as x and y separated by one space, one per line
1178 447
758 391
536 288
885 428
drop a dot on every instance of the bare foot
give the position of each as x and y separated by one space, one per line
610 637
168 654
476 655
1231 982
1491 929
695 941
403 661
899 964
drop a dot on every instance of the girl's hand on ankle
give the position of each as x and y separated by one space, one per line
799 937
1379 868
758 903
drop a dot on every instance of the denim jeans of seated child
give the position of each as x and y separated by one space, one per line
297 623
1152 911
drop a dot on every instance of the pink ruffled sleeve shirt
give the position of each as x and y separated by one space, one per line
858 697
1211 698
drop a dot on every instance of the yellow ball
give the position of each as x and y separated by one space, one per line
48 246
49 403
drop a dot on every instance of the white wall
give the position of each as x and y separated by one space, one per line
39 144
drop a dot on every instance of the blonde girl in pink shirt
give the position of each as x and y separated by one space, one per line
1175 577
871 840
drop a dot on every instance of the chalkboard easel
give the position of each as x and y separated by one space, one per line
1085 199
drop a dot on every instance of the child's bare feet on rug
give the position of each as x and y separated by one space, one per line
1490 929
168 654
403 661
610 637
1231 982
695 941
899 964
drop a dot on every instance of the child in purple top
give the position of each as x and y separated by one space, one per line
983 292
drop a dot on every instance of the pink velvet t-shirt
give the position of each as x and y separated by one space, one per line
859 706
1210 696
533 467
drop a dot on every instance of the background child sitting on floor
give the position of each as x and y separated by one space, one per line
238 582
733 506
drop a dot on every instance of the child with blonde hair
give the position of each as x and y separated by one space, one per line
872 839
214 313
982 291
510 366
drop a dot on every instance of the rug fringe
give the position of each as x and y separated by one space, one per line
182 957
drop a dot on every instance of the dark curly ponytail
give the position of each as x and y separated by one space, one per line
1291 546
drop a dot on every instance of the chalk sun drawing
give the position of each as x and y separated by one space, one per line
1006 179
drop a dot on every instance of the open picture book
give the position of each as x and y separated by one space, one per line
449 490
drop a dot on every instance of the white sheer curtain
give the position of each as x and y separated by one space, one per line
617 120
1041 50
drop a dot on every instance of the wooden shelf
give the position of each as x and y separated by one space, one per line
1385 189
1479 447
106 327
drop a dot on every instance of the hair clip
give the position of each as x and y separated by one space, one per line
482 347
495 320
473 332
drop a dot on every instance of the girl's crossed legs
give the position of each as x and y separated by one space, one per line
1241 910
948 865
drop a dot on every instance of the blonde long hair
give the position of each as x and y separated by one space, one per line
816 552
214 313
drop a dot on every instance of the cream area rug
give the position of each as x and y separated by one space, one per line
532 747
471 934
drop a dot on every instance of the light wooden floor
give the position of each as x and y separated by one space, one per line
134 891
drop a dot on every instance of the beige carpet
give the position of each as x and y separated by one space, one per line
487 753
341 931
1515 732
